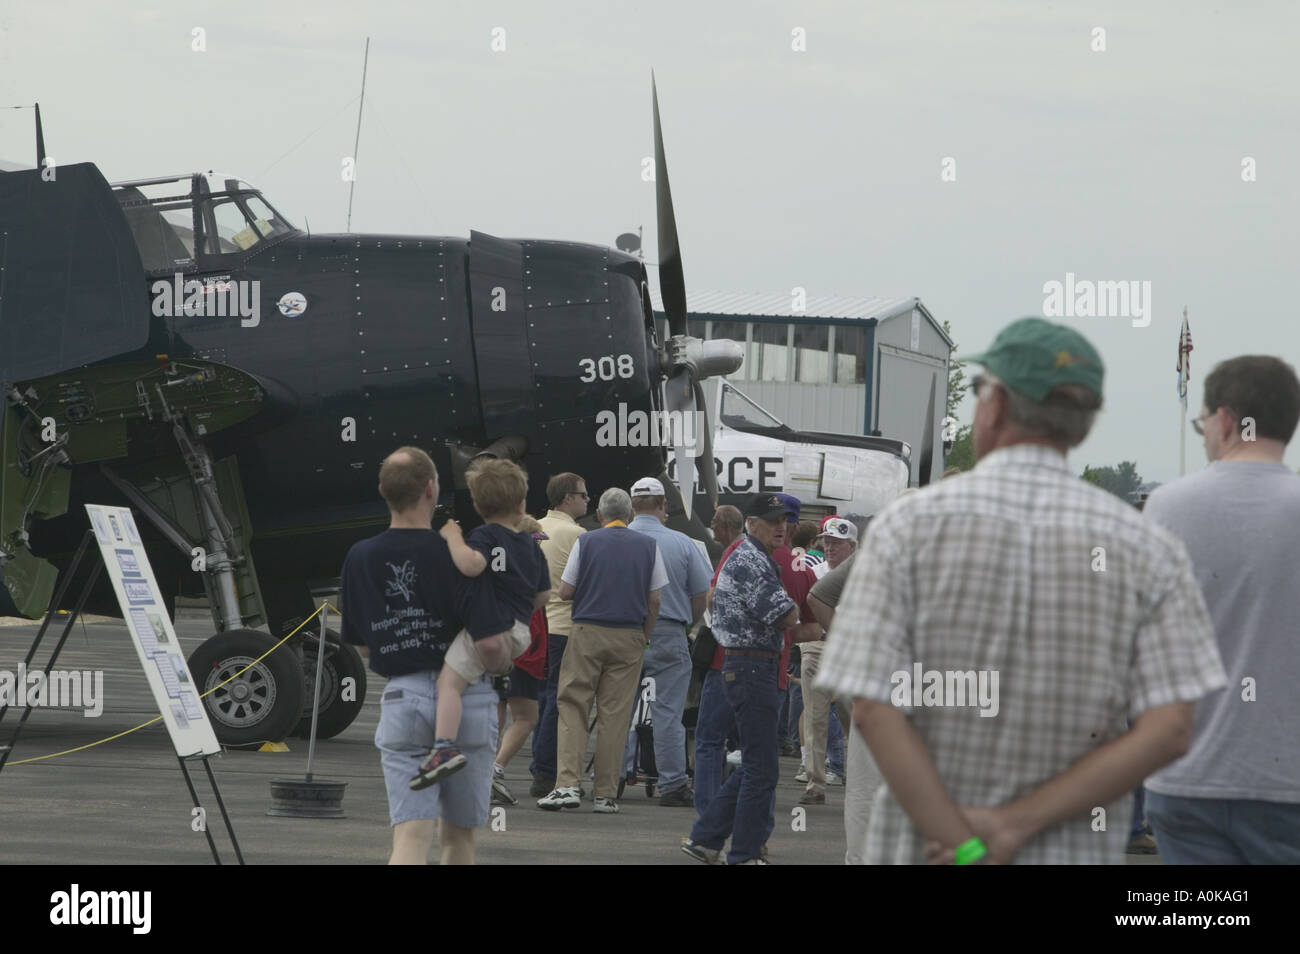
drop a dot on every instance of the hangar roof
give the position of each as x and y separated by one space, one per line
778 305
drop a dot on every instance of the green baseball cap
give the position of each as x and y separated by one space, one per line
1033 356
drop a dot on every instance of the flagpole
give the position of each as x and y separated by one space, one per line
1182 413
1182 441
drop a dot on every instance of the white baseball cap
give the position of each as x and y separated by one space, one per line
648 487
840 529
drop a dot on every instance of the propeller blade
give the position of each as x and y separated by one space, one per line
685 479
679 396
708 475
40 140
927 437
691 525
672 283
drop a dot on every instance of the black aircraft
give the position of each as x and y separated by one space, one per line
176 345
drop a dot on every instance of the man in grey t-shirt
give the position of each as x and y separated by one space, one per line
861 776
1234 798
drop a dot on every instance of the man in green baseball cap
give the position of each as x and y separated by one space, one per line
1043 386
1018 551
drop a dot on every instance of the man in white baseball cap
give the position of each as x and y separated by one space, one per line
668 657
839 540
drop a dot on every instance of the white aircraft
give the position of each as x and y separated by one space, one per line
753 452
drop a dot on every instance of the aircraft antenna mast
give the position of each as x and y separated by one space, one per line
356 145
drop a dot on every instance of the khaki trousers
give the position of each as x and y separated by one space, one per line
816 715
603 664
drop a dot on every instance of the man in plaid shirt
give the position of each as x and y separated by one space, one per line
1001 628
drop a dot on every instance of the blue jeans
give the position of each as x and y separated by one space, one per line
795 694
783 719
835 744
1224 831
743 807
543 763
713 725
1138 827
668 662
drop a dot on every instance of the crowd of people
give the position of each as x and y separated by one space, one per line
989 665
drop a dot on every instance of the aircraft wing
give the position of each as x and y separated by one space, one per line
74 289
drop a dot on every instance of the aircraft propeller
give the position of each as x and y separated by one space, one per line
927 437
690 359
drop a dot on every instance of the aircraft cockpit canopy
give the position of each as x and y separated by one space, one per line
742 414
198 222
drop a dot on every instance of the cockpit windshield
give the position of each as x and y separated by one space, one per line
196 222
741 413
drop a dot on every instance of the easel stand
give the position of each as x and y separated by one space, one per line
50 612
225 817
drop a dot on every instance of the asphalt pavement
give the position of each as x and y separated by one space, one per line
125 802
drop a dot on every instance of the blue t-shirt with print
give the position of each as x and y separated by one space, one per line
404 599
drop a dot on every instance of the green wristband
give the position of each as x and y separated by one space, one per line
970 852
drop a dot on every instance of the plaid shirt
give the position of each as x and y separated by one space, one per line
1000 569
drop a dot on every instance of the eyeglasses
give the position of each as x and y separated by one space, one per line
1198 423
577 494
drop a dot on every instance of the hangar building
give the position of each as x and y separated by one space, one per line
847 365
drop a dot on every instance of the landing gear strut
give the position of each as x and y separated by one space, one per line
265 703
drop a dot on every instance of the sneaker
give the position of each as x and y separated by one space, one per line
733 758
754 861
560 798
678 798
788 748
500 794
802 776
813 798
833 779
440 764
541 786
710 856
605 806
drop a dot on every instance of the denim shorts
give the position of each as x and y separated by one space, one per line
405 735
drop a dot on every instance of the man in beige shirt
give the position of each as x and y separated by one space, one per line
567 495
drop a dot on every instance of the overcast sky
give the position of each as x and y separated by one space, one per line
819 168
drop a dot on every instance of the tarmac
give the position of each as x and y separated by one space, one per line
125 802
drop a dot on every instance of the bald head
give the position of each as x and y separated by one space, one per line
726 524
406 478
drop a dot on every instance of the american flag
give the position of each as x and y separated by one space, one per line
1184 360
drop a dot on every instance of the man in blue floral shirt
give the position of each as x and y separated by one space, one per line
751 612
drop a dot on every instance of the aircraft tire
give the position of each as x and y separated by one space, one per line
336 713
263 704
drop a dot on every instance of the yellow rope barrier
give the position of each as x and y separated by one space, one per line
145 725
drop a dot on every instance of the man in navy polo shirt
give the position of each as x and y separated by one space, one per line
751 611
613 576
403 604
